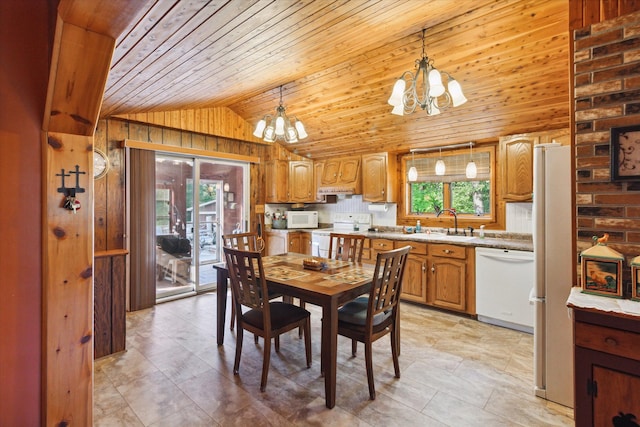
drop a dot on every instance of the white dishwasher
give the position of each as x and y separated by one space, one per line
504 279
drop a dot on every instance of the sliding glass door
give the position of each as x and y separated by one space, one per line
197 201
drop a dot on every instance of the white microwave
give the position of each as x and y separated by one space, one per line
302 219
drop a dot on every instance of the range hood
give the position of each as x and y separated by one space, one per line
347 190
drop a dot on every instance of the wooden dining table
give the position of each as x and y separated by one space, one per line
337 283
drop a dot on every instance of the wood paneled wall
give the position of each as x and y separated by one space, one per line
109 302
110 190
219 121
587 12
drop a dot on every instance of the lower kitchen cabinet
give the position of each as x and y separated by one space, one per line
438 275
276 242
607 368
282 241
451 277
375 246
447 281
306 243
414 284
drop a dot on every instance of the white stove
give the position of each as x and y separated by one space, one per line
342 223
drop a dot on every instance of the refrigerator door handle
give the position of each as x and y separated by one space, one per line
533 298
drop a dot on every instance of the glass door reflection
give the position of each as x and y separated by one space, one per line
197 201
174 248
207 215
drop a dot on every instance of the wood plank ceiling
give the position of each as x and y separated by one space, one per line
337 61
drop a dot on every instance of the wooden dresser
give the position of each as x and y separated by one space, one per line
607 365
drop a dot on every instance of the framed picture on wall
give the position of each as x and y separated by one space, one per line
625 153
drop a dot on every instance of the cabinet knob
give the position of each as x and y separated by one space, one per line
433 268
447 251
611 341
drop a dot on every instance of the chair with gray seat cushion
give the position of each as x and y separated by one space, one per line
370 317
344 247
263 318
249 241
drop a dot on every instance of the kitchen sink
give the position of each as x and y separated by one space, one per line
449 237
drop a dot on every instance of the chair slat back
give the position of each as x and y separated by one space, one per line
347 247
249 241
246 274
387 282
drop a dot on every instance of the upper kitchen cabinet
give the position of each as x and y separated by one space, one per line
301 175
516 158
289 182
379 178
340 176
277 180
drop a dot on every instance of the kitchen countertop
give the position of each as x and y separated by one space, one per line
493 240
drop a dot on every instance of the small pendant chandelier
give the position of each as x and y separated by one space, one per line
412 176
471 171
280 127
440 166
425 89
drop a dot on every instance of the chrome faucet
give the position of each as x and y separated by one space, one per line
455 217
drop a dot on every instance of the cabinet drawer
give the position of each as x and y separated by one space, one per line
417 248
381 244
449 251
612 341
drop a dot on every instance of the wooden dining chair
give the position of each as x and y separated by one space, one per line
264 318
250 241
346 247
370 317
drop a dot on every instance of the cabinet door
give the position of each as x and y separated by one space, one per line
330 172
447 283
374 177
607 387
379 178
414 283
305 243
276 243
318 168
293 242
349 169
517 167
615 396
277 181
301 181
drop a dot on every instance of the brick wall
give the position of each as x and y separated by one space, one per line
607 95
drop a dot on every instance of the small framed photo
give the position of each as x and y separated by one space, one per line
625 153
635 279
602 277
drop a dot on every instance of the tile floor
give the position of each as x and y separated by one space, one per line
455 372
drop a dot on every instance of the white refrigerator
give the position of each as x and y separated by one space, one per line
553 264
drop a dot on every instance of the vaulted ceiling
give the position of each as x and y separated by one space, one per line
337 61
